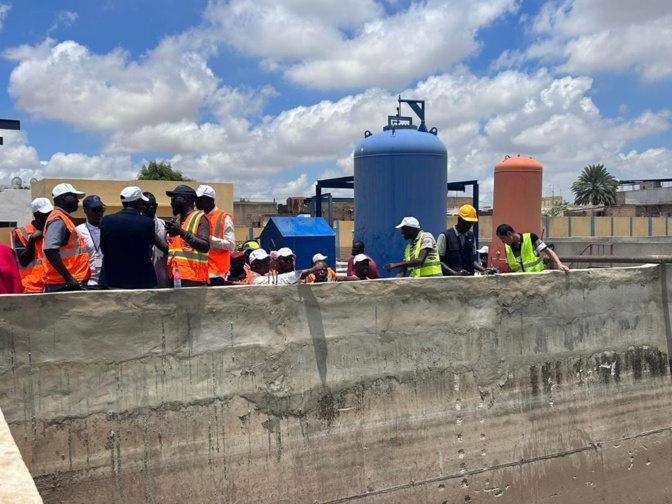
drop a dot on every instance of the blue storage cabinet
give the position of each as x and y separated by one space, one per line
306 236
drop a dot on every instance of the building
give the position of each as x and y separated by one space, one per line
14 210
650 199
109 190
254 213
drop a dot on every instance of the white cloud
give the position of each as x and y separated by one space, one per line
17 158
309 46
78 165
228 102
480 119
652 161
4 10
587 36
169 101
64 19
67 82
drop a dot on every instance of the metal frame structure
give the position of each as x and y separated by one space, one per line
349 183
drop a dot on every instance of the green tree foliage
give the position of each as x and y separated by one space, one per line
595 186
557 209
160 171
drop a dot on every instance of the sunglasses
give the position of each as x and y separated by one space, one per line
286 259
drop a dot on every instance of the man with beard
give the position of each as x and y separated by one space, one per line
188 239
67 261
28 241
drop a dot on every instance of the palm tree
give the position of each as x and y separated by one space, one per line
595 186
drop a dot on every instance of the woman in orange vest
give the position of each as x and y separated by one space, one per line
188 240
222 237
28 241
67 261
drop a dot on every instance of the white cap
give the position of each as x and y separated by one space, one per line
258 255
411 222
205 190
132 193
65 188
285 252
483 250
319 257
42 205
360 258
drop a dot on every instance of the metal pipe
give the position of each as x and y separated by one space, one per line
650 259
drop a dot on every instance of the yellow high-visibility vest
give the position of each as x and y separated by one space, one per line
429 267
531 263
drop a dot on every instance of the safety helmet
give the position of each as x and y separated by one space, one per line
467 213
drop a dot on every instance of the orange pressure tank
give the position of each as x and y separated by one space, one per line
516 201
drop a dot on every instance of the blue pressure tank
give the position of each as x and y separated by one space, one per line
401 172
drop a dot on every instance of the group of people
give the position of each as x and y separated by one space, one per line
454 253
252 265
131 249
134 249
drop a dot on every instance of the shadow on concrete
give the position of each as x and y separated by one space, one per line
316 328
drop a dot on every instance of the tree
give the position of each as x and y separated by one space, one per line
160 171
558 208
595 186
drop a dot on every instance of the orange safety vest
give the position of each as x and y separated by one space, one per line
193 264
32 276
219 261
74 255
331 274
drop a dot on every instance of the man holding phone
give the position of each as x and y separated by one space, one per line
188 239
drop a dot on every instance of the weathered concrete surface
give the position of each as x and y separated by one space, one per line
505 389
16 483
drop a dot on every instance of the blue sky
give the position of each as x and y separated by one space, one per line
273 95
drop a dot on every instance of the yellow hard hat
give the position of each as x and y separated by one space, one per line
468 213
250 245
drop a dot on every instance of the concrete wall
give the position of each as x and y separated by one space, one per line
654 196
502 389
253 213
581 229
15 206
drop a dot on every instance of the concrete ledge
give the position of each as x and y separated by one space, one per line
16 483
523 388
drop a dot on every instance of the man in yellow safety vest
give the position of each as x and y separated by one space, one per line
524 250
421 256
